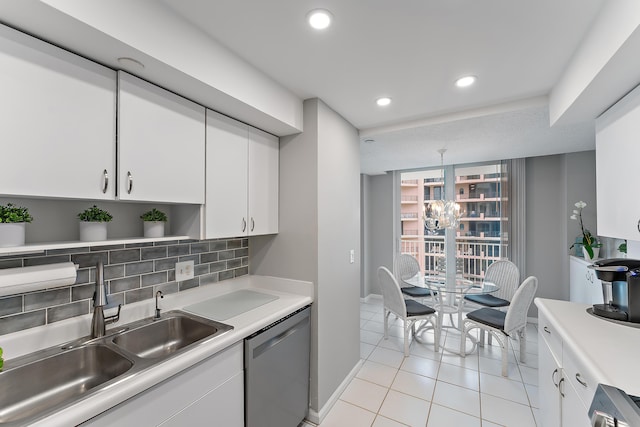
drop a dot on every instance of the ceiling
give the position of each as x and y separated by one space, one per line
413 51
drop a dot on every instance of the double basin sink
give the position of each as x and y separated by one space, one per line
46 381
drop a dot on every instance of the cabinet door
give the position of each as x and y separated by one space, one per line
617 151
227 152
161 138
226 403
574 413
57 116
549 375
264 157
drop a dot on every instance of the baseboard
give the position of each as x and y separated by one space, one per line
317 417
371 297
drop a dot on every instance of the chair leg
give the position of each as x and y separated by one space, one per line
522 336
386 322
463 340
481 338
407 327
489 339
505 357
436 332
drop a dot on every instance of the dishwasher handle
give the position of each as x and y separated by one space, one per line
272 342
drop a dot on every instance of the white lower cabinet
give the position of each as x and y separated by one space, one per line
209 393
565 387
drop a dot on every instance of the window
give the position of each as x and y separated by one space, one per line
480 237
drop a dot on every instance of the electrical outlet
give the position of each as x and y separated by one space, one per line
352 256
184 271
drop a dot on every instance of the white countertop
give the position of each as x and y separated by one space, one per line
611 351
292 294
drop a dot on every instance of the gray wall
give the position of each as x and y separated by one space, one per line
378 228
554 184
319 225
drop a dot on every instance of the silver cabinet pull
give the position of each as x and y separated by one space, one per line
553 377
129 182
546 330
560 387
244 224
253 224
106 181
579 379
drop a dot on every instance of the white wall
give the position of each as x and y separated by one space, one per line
319 225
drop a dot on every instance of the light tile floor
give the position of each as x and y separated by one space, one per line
435 389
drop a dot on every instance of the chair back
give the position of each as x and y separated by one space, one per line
516 317
405 266
505 274
391 294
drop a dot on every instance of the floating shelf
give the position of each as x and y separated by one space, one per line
41 247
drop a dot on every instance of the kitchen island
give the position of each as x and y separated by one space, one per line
291 295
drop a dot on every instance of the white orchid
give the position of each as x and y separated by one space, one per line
588 240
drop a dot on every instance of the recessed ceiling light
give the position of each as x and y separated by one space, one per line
319 18
466 81
384 101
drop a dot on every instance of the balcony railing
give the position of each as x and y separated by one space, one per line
405 198
472 256
409 215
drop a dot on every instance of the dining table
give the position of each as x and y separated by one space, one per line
448 296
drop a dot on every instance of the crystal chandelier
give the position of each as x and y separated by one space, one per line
441 214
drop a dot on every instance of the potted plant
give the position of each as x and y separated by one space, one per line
154 223
93 224
13 220
590 244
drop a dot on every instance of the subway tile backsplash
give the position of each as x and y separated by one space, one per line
132 273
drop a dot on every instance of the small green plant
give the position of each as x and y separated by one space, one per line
95 214
589 241
154 215
623 247
13 213
1 360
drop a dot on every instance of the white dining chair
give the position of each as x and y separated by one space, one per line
503 325
408 310
405 267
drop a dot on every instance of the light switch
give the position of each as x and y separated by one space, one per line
352 256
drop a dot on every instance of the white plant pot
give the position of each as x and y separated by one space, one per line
12 234
596 253
93 231
153 228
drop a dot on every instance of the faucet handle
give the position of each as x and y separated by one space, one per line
114 318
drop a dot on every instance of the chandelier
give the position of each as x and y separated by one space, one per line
441 214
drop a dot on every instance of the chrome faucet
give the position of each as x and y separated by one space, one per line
157 316
98 321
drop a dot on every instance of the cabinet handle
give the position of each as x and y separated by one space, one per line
560 387
579 379
129 182
553 377
253 224
244 225
639 225
106 181
546 330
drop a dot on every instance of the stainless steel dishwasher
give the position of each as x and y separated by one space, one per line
276 363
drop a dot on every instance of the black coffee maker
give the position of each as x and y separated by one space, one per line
620 289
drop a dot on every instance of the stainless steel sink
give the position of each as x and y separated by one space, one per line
166 336
39 384
43 384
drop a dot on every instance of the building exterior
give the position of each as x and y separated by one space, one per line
480 236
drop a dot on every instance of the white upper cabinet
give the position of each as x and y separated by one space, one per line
227 153
57 115
161 144
617 151
264 157
242 179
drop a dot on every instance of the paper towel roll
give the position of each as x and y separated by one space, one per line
26 279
